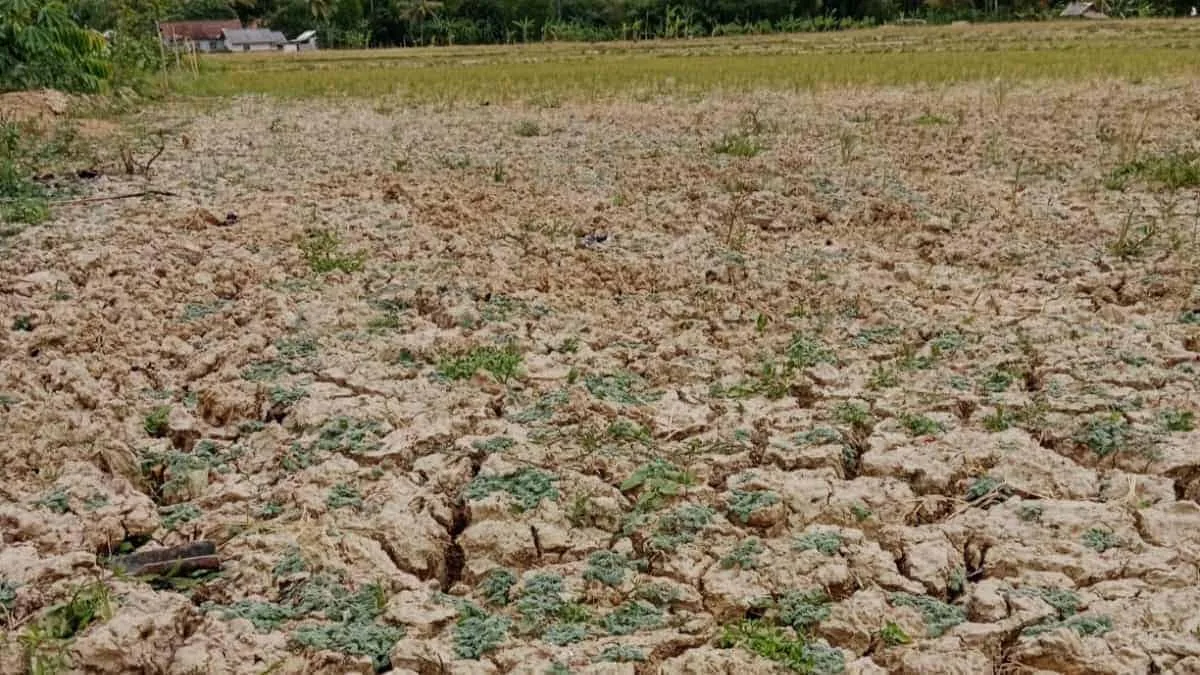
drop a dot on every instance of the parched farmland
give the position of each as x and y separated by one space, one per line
869 352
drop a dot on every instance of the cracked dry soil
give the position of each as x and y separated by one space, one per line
892 395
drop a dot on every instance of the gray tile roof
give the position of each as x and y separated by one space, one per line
253 36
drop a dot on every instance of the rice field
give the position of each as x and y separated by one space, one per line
916 55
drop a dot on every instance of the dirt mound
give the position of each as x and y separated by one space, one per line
42 105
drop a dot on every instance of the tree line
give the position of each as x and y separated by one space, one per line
388 23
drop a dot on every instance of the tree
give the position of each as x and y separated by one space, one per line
42 46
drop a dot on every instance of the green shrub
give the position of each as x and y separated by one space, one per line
41 46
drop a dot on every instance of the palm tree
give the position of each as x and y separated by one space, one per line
525 25
320 9
417 12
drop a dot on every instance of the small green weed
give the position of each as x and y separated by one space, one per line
777 644
926 120
803 609
985 488
655 482
561 634
1100 540
743 503
999 419
322 250
266 616
860 511
996 381
496 585
194 311
608 567
528 129
939 616
883 377
625 388
527 486
57 500
1030 512
174 516
621 654
892 635
737 144
8 594
854 415
291 562
348 435
155 422
342 495
1104 435
628 431
744 555
1064 601
23 323
1082 624
503 362
360 638
804 352
493 444
680 526
542 409
818 436
920 425
1169 171
1177 420
826 543
631 617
